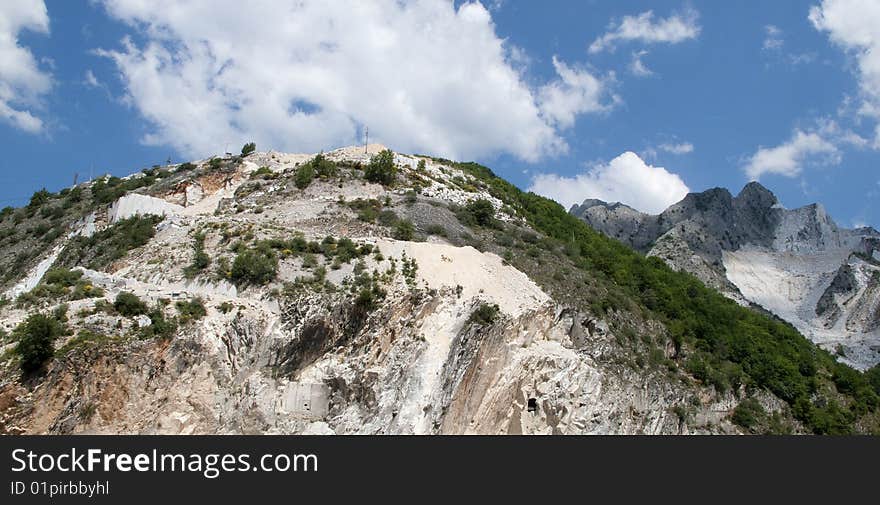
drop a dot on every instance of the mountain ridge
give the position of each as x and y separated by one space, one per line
376 292
731 242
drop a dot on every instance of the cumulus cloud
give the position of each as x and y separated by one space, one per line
854 25
646 29
424 76
788 159
22 83
626 179
576 91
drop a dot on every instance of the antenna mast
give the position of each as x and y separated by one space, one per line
366 138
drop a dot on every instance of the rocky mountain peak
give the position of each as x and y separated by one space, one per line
754 194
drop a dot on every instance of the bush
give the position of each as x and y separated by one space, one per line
483 315
39 198
404 230
159 326
248 148
436 229
479 212
112 243
387 218
35 338
201 260
748 414
128 304
322 166
62 277
304 175
381 169
255 266
191 310
263 173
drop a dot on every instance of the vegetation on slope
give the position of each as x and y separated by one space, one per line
110 244
726 345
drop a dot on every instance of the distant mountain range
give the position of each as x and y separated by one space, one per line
796 263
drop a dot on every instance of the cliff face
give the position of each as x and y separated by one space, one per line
798 264
388 311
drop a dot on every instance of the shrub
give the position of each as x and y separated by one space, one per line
479 212
35 337
263 173
381 169
404 230
191 310
368 210
304 175
483 315
436 229
39 198
62 277
201 260
322 166
748 414
110 244
248 148
128 304
387 218
159 326
255 266
83 339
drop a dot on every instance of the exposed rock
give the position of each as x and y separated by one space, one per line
306 354
795 263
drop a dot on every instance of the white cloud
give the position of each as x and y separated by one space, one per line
682 148
626 179
90 80
22 83
773 38
788 159
638 67
644 28
575 92
855 26
424 76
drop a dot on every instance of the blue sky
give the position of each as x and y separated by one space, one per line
702 93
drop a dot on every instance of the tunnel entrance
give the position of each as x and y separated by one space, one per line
533 405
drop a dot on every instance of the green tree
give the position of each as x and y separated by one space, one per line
35 337
304 175
381 168
480 212
248 148
39 198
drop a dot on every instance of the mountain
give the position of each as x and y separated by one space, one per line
365 291
797 264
